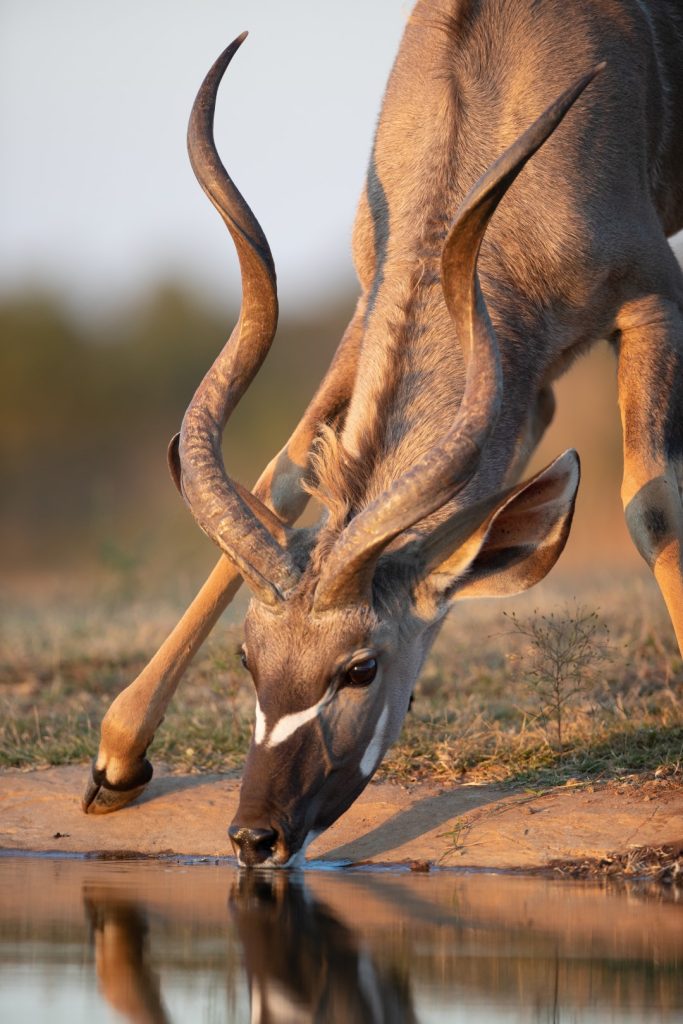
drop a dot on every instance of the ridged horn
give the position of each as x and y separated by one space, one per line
445 469
241 526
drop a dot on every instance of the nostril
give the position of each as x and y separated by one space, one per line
254 844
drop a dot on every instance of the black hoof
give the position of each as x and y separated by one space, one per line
103 797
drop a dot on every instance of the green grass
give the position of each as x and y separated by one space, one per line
476 717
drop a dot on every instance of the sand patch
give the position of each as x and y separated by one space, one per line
483 826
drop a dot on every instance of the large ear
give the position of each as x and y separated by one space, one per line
515 545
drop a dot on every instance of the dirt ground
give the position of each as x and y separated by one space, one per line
484 826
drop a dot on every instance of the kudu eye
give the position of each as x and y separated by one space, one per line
243 658
362 673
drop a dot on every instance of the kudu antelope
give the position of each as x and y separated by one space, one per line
440 389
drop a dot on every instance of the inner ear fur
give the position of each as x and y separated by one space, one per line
506 545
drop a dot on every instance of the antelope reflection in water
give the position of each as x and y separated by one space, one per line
124 975
303 964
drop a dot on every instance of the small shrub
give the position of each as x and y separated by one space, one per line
562 654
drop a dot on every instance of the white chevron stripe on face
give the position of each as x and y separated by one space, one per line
288 724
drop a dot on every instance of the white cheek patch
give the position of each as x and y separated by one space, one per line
289 724
374 748
260 726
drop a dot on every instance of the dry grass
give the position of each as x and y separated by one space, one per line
474 717
479 717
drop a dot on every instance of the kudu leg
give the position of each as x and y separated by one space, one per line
651 403
121 770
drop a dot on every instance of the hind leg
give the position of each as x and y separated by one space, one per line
650 381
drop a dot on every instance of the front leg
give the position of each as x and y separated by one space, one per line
651 403
121 770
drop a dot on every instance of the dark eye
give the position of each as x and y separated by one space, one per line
243 658
362 673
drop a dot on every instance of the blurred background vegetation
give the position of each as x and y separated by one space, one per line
88 402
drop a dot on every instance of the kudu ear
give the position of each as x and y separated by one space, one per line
514 546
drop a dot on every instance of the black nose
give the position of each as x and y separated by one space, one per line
254 844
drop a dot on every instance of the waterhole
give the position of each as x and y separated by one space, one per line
154 943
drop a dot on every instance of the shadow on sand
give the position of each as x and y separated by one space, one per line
423 817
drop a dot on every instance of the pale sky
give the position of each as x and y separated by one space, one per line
96 194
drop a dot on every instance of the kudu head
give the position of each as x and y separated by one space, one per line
341 620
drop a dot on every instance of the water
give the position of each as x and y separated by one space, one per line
153 943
